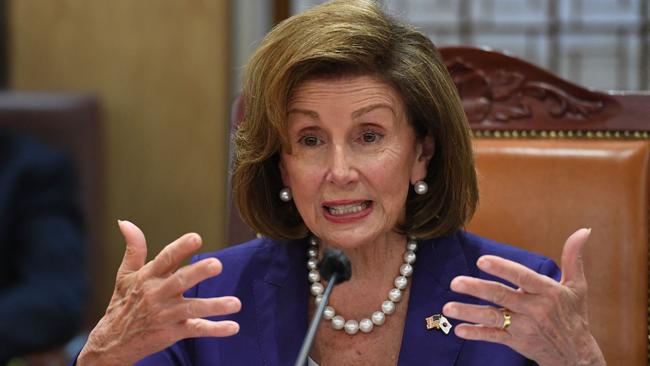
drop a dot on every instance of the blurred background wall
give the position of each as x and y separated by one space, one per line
161 69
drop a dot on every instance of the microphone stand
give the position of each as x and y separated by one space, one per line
336 267
313 326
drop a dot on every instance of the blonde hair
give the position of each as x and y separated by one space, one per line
345 38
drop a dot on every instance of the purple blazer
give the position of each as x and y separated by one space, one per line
270 278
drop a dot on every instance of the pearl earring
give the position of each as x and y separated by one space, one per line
285 194
421 187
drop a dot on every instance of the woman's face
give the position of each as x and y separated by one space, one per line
353 155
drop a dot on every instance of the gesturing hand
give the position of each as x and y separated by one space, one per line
548 320
148 312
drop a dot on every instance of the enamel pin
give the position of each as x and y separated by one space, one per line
438 321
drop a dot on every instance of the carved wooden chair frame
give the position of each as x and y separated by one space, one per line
507 98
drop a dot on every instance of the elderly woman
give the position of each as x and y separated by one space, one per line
353 138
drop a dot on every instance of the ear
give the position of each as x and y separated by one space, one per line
424 150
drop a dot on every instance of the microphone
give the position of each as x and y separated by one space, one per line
336 268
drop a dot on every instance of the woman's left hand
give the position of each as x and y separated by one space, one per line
548 319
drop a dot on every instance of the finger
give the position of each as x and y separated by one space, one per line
173 254
494 292
488 316
482 333
207 328
188 276
135 253
515 273
572 263
202 308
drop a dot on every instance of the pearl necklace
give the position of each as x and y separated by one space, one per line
387 307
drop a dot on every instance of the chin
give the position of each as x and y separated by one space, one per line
351 238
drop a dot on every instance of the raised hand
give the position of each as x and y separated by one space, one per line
548 320
147 311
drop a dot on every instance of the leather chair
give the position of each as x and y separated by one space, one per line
69 122
553 157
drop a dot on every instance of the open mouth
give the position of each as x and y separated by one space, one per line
347 209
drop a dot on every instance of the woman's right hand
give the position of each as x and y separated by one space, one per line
148 312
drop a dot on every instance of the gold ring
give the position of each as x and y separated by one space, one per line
506 318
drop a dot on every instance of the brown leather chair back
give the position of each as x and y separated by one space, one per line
553 157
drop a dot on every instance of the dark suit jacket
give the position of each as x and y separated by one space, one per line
270 278
42 286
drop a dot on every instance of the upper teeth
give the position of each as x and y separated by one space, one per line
347 209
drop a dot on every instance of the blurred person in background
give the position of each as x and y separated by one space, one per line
42 284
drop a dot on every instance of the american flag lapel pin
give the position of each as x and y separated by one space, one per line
438 321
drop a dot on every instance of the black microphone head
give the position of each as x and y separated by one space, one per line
335 261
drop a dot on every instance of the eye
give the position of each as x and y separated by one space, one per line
309 140
370 137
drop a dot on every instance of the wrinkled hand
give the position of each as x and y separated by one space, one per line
548 319
148 312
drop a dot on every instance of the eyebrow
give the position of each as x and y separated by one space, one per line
355 114
364 110
307 112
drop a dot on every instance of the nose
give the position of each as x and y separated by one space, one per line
341 171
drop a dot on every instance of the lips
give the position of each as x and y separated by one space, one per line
341 210
346 210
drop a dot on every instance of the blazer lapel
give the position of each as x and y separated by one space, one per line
282 291
281 295
438 262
